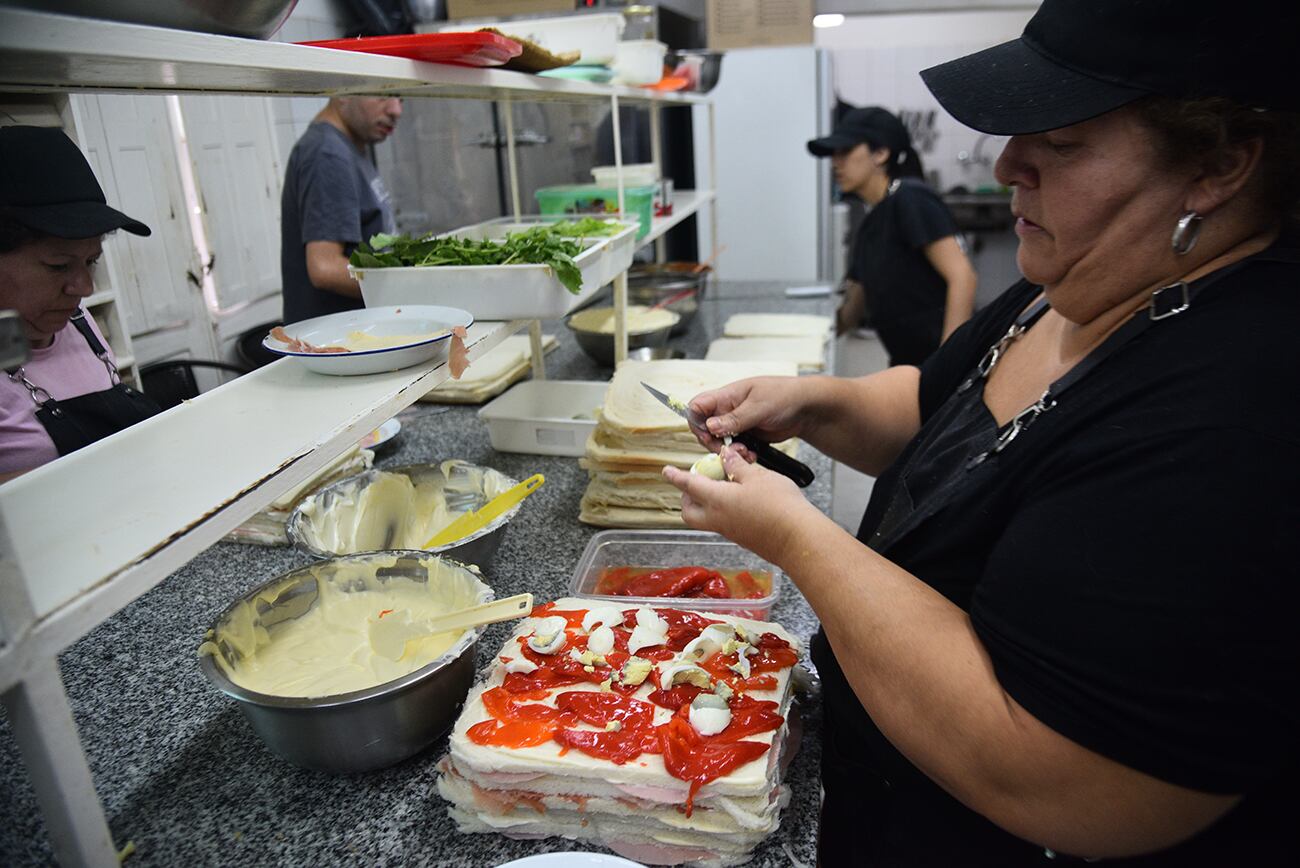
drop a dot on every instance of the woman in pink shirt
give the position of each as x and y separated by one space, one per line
53 217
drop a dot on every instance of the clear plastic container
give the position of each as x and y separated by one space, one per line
660 549
596 199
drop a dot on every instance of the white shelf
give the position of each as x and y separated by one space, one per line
685 203
43 52
151 497
98 298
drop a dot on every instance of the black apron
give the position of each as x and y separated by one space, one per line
873 810
76 422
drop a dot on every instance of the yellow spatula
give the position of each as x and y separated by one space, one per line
472 521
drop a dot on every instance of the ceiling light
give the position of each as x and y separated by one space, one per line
830 20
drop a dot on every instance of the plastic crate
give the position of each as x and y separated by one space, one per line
544 417
638 202
658 549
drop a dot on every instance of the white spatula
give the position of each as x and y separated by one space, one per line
391 634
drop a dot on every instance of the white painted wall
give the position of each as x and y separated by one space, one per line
770 212
877 60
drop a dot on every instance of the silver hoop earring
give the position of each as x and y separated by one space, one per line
1186 233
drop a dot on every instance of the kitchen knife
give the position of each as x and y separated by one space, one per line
765 453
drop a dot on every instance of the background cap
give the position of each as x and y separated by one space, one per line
47 185
871 124
1077 60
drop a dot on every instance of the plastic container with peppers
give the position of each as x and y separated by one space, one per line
697 570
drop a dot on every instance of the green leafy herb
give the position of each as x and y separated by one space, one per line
538 245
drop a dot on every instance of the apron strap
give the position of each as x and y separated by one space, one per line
79 320
1166 302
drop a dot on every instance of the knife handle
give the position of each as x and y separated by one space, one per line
774 459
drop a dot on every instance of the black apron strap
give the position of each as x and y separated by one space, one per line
904 516
76 422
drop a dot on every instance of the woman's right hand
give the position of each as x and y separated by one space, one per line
768 406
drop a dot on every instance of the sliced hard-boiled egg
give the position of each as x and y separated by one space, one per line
601 641
635 670
548 635
685 673
650 630
709 714
522 665
711 639
609 615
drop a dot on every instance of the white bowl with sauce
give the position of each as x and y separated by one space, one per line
293 652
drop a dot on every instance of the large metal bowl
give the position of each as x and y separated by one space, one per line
256 18
474 484
600 345
681 284
365 729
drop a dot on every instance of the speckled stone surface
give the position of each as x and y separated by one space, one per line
183 776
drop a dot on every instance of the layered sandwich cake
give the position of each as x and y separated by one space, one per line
659 733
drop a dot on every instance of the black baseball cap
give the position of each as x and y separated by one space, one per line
871 124
47 185
1078 59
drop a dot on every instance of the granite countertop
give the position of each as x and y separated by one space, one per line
182 775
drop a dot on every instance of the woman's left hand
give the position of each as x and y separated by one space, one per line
757 508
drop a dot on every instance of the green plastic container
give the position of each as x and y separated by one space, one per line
595 199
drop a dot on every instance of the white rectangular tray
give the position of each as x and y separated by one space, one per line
544 417
500 292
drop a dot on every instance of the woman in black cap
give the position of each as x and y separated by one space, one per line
53 217
1067 623
905 266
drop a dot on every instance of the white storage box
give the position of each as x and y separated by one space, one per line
544 417
500 292
639 61
596 36
634 175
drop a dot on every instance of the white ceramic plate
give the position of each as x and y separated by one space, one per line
380 435
571 860
408 319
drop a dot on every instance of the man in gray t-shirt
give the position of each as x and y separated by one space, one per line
332 199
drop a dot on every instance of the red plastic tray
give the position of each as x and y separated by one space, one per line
465 49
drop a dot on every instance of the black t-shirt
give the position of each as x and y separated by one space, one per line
905 295
331 193
1131 570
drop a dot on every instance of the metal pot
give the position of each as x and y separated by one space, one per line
478 548
365 729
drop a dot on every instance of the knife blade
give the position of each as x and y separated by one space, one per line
765 453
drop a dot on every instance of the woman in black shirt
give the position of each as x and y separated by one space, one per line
1065 628
907 274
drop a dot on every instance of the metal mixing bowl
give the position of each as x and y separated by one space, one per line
681 284
600 345
365 729
477 548
256 18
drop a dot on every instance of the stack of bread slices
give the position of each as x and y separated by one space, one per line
636 436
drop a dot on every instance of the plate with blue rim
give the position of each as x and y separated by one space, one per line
370 340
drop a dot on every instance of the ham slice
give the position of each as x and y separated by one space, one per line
458 354
298 346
